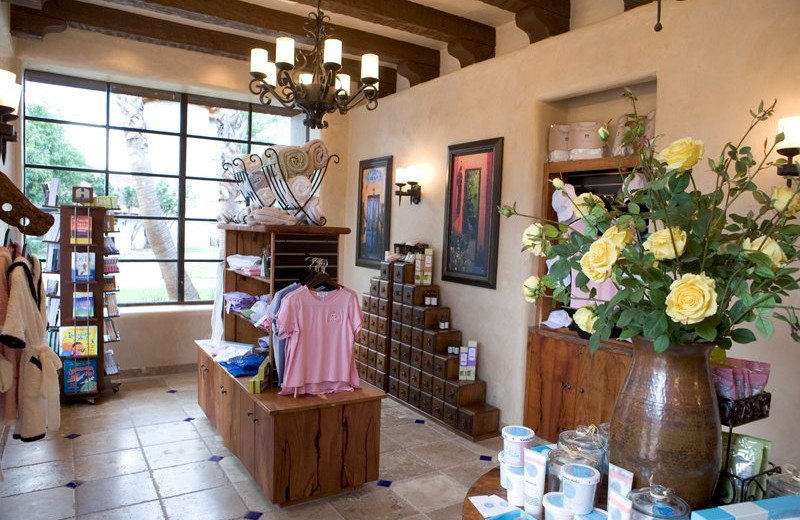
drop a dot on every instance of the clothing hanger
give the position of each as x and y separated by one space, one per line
321 280
17 211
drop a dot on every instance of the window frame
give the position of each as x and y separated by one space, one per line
184 99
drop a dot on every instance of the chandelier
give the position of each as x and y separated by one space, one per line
311 82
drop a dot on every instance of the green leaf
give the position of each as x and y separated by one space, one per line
765 327
707 329
633 208
661 343
594 342
743 336
655 324
550 231
724 343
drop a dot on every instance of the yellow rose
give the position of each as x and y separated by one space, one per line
598 261
584 318
533 240
692 299
660 243
532 289
769 247
586 202
620 237
682 154
786 199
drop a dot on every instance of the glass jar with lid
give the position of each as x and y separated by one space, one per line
588 440
657 503
559 457
786 483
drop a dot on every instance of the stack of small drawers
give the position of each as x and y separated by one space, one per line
403 350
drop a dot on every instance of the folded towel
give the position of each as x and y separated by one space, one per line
313 212
271 217
266 196
317 154
292 160
301 189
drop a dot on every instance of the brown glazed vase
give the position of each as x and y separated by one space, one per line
666 422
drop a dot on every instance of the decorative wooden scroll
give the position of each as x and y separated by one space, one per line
17 211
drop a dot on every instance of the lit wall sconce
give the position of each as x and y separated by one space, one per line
9 102
789 147
403 176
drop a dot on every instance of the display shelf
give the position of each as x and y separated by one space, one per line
248 320
603 164
742 411
251 276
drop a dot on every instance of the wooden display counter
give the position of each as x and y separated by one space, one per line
296 448
488 484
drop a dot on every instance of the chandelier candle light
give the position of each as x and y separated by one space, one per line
311 82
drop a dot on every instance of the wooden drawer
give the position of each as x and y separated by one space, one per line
427 362
436 342
405 353
416 358
416 337
374 305
380 379
429 317
450 415
394 349
460 393
403 391
403 273
397 292
363 354
372 340
405 334
397 330
394 368
394 386
371 358
380 362
407 314
425 402
404 372
414 377
374 283
478 419
413 397
437 408
437 388
365 301
445 366
371 375
373 322
364 339
415 294
382 343
426 383
387 270
384 289
357 351
383 325
397 311
362 370
383 307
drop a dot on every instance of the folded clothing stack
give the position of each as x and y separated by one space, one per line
271 217
238 301
242 262
246 365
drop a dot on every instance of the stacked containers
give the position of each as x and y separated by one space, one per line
657 503
558 458
579 482
515 440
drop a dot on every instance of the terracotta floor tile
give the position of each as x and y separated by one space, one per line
106 465
453 512
401 464
413 434
221 503
373 503
444 454
144 511
24 479
167 432
431 492
188 478
176 453
49 504
104 442
115 492
28 453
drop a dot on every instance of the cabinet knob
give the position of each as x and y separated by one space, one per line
222 390
249 414
566 386
580 390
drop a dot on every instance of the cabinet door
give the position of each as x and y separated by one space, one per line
203 363
264 455
210 395
225 402
243 429
600 376
552 368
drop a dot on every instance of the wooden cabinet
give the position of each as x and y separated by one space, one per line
567 385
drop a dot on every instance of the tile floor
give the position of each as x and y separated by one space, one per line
138 457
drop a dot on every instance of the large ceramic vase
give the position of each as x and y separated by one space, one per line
666 422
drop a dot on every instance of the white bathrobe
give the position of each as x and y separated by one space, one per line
24 327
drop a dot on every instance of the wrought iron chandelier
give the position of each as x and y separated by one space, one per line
311 82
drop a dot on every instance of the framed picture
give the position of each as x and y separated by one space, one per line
471 217
374 210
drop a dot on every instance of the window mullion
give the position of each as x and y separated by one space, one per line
182 197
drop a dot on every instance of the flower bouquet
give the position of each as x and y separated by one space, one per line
688 268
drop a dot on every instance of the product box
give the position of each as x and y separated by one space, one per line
427 267
257 383
419 266
468 362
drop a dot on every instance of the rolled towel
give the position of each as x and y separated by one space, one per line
266 196
300 188
251 164
314 211
292 160
272 216
317 154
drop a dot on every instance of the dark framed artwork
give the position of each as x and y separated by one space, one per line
471 218
374 210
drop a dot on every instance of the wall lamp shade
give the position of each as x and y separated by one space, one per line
402 177
10 92
790 146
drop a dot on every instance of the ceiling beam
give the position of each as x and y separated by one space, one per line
411 17
561 7
56 16
630 4
244 16
538 18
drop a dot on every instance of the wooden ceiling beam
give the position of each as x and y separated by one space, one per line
630 4
411 17
244 16
56 16
561 7
538 18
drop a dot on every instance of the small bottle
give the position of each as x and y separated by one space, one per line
434 299
428 299
444 325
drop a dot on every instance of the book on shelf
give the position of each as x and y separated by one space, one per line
78 340
52 257
51 289
110 362
80 376
110 265
83 266
53 308
110 332
82 305
50 189
54 233
110 307
80 229
54 340
110 246
109 226
109 283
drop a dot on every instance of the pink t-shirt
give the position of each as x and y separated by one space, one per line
321 328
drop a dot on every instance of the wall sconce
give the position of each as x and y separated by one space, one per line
9 102
789 147
402 177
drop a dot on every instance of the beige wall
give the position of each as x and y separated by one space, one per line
709 74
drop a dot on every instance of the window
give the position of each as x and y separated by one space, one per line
161 154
